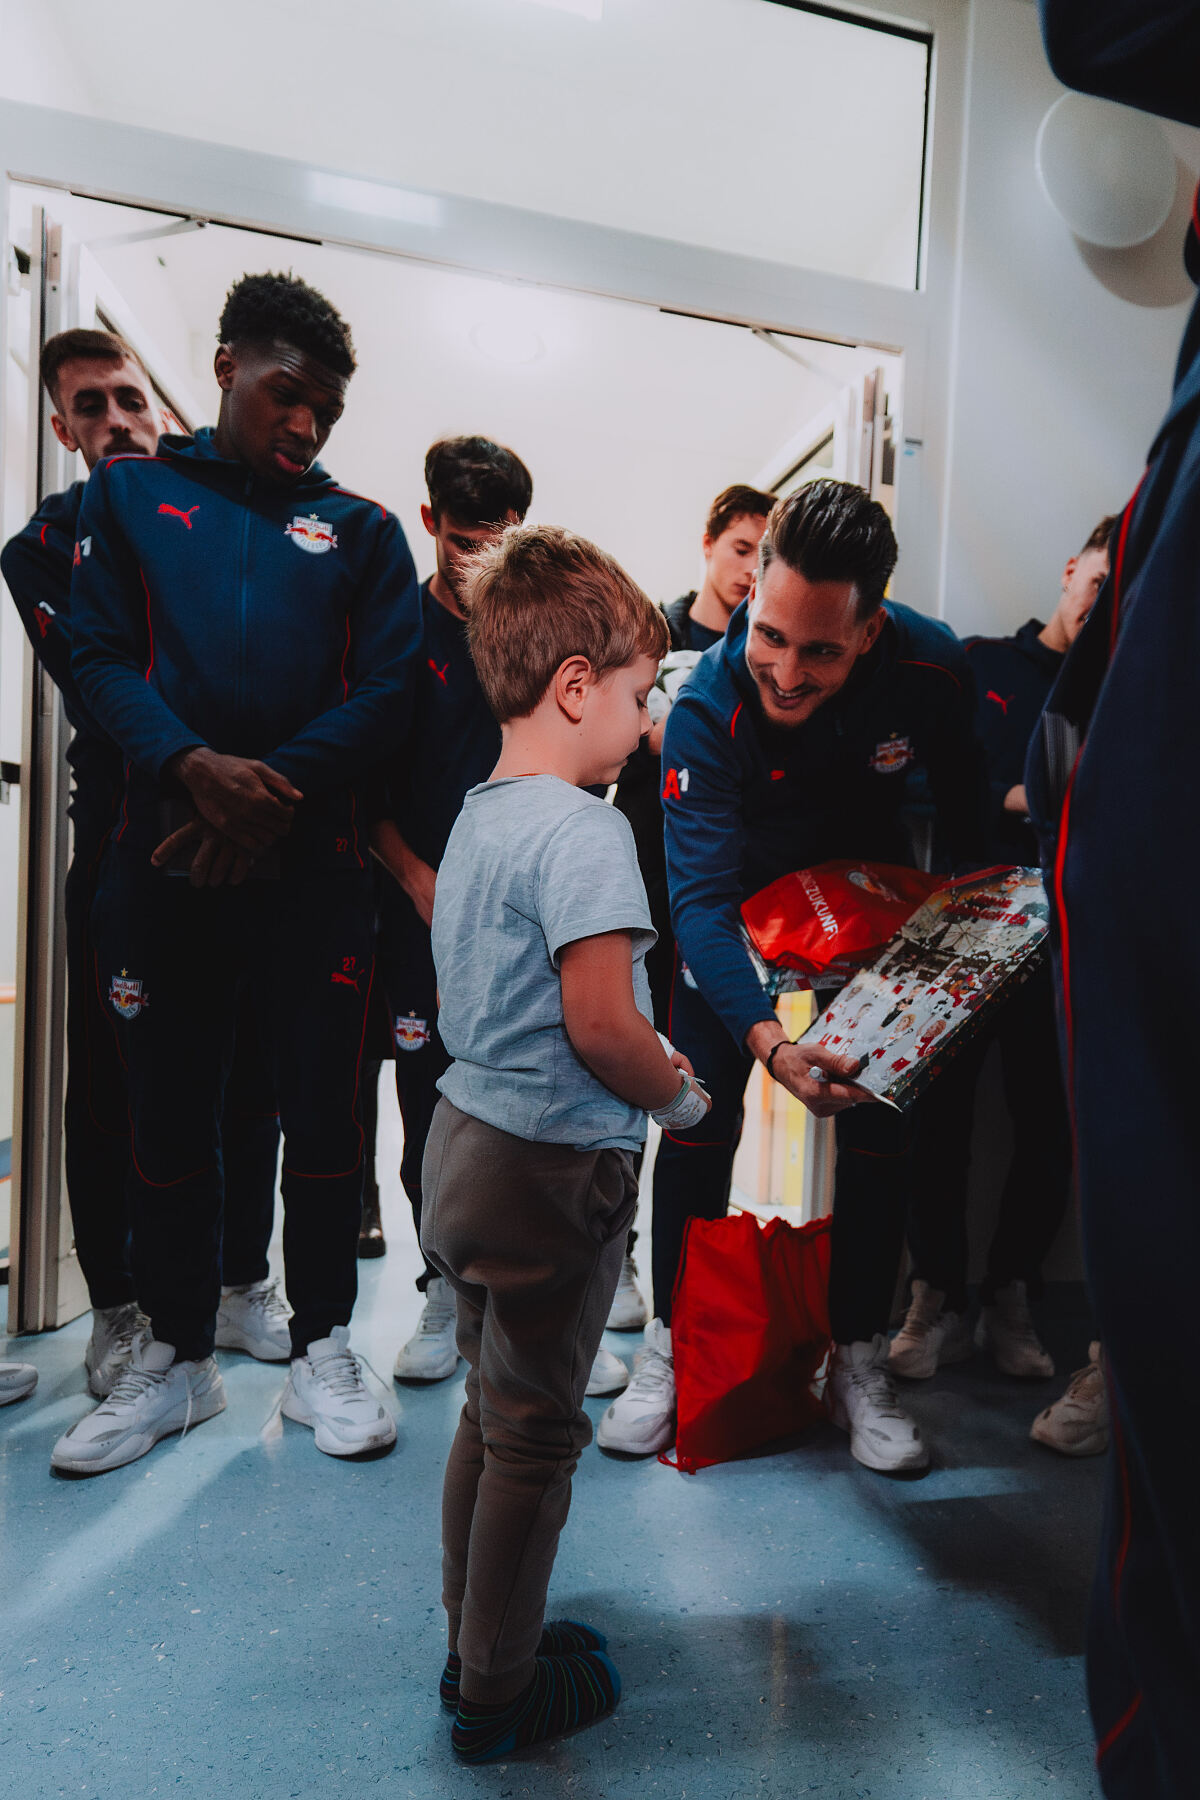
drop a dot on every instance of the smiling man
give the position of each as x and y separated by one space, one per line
245 631
788 747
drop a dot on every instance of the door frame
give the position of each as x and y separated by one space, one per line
185 177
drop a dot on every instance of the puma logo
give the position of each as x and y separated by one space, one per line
440 673
1000 701
350 981
175 512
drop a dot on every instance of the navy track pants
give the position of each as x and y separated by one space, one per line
96 1109
172 966
410 986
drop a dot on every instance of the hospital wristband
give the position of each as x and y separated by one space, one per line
687 1108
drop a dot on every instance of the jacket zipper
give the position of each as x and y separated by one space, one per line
243 583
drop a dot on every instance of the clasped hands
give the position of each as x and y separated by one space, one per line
243 809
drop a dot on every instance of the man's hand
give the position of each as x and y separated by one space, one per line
417 879
215 859
1017 800
792 1063
248 803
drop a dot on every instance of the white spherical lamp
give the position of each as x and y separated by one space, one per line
1107 170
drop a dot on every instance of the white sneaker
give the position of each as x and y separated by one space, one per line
629 1311
431 1353
642 1421
326 1391
151 1397
609 1374
107 1355
1077 1424
863 1401
1006 1329
929 1337
255 1319
16 1381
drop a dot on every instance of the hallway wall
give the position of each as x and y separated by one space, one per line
1064 353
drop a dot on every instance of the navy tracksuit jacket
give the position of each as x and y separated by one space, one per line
452 744
36 565
1125 869
1013 675
638 796
746 802
271 622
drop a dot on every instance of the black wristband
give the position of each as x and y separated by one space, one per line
773 1052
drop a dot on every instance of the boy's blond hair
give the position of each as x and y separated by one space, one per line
540 595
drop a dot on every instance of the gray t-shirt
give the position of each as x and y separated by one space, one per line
532 864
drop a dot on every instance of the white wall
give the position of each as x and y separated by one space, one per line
738 124
1064 356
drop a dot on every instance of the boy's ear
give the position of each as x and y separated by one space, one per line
572 681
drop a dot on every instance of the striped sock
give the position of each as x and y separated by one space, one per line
560 1638
566 1692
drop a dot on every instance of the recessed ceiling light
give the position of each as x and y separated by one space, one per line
507 341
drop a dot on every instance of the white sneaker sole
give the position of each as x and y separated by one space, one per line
379 1438
137 1444
1020 1371
22 1391
610 1437
433 1370
1095 1444
614 1385
880 1462
232 1337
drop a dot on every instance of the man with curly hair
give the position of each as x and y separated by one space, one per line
245 632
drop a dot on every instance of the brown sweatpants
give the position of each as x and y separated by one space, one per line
530 1236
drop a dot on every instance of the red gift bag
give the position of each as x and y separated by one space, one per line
750 1331
835 918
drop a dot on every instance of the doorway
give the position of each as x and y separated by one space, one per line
630 417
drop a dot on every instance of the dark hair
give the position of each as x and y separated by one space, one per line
833 531
476 482
81 346
736 502
540 595
259 308
1100 537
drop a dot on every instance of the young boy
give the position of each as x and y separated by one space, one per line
540 931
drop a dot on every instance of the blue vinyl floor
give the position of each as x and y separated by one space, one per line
239 1616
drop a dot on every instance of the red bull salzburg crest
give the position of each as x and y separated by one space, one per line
411 1033
312 534
895 753
126 996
